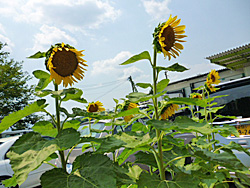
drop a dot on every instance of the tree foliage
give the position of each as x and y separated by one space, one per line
15 93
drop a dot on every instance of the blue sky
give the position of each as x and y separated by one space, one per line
112 31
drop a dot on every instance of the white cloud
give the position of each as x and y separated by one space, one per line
68 14
132 71
9 43
50 35
2 30
158 10
112 66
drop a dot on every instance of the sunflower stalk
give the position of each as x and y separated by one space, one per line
159 157
211 123
59 128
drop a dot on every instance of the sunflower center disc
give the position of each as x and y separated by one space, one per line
169 35
213 78
93 108
65 62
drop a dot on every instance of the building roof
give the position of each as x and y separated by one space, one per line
234 58
197 76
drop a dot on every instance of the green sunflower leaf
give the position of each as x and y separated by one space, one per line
137 126
127 140
134 172
89 171
162 85
221 116
128 112
9 120
38 55
65 111
43 93
175 67
180 180
116 101
144 85
125 155
183 124
141 56
244 178
140 97
145 158
44 79
30 150
11 182
81 112
226 130
235 146
74 94
188 101
72 124
45 128
226 159
210 110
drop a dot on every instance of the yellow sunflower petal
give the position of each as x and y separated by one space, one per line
169 20
179 28
169 37
175 51
180 36
179 46
173 20
179 32
66 64
172 54
180 40
176 23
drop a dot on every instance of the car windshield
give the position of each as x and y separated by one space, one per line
236 103
84 130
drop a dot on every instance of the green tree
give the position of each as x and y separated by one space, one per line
15 93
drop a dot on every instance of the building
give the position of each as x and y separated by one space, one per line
237 65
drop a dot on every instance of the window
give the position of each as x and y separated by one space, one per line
236 103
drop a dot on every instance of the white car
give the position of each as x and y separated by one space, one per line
243 139
6 171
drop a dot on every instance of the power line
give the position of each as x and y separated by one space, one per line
101 86
110 91
90 86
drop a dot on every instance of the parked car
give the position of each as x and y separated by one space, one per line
3 140
7 134
6 171
236 104
84 131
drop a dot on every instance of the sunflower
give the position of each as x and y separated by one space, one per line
196 95
129 107
95 107
168 111
65 64
167 37
210 87
213 77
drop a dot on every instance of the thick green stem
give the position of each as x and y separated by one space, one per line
58 121
59 128
159 158
211 123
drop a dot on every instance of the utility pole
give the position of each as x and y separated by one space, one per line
166 74
134 89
